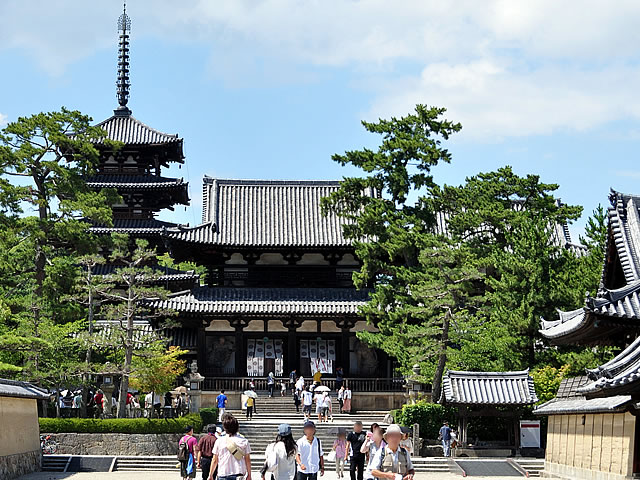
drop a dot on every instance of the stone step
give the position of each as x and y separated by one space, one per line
54 463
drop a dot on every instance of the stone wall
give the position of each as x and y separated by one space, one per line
13 466
116 443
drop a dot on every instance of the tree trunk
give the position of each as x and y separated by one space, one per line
87 375
128 353
442 358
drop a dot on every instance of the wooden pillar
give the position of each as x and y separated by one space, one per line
201 343
292 351
345 357
241 357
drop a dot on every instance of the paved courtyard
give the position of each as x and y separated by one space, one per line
176 476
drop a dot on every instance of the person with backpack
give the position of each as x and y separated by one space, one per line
310 457
393 462
280 456
186 447
231 453
445 437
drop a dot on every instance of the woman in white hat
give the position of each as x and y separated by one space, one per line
393 462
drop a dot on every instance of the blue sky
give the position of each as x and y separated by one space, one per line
272 88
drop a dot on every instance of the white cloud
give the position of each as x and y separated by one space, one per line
3 119
502 68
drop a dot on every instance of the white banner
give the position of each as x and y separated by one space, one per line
331 350
313 349
269 349
304 349
321 365
278 348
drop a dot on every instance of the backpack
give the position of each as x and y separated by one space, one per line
183 451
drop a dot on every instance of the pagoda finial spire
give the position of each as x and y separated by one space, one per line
123 84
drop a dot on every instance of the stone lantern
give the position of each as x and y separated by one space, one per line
413 384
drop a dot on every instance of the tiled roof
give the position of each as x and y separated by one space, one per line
488 388
134 181
265 213
168 274
266 301
570 400
131 131
14 388
624 225
621 303
134 226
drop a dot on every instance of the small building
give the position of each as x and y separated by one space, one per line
489 394
20 434
592 421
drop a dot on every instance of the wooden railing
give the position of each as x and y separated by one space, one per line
356 384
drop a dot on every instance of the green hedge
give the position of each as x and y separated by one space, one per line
209 415
428 415
120 425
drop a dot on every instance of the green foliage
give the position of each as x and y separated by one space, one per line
428 415
156 369
547 380
120 425
209 415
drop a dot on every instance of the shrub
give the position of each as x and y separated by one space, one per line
428 415
120 425
209 415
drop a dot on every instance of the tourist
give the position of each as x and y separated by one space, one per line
307 401
300 384
231 454
280 456
310 457
293 376
187 462
326 407
250 403
317 379
445 437
340 447
77 400
355 440
407 443
371 446
129 404
341 397
393 461
148 404
97 399
346 407
296 400
339 378
283 388
271 383
205 451
319 405
157 404
221 402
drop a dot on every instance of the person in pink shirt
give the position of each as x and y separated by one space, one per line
340 446
188 467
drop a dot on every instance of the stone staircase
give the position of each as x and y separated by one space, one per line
533 466
55 463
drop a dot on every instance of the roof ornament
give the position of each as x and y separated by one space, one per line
123 84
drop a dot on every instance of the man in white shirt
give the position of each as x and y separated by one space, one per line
310 457
307 401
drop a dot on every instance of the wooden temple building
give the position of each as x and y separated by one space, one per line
593 429
277 294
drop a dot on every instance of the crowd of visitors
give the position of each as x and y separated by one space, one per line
225 454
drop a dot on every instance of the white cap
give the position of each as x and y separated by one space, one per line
393 428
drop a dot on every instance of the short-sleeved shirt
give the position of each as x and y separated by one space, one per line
222 399
340 446
227 463
356 440
382 452
310 454
317 376
250 401
191 442
307 398
445 433
205 445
